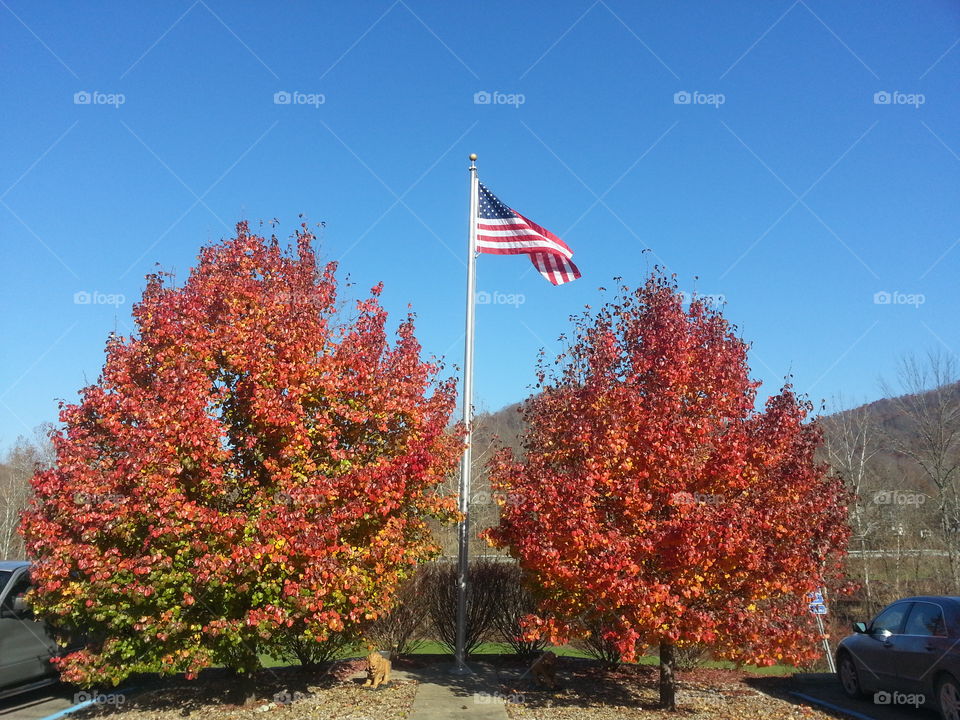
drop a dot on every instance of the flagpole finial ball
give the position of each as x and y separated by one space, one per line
473 157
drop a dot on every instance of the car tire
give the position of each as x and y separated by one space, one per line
849 677
948 698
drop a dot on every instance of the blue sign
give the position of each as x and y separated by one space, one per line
817 604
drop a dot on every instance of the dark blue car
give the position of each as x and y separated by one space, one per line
908 656
26 644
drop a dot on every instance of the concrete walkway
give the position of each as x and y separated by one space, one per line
442 695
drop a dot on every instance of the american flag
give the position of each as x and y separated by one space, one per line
502 231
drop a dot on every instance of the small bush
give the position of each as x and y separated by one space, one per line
513 603
690 657
487 583
310 653
401 631
597 646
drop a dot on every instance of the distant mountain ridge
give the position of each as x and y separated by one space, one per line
888 422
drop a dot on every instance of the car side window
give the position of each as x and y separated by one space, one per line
890 621
925 619
18 589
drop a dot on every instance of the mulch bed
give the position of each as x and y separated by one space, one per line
330 692
631 692
587 692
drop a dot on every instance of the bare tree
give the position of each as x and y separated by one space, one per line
19 464
851 441
491 431
929 405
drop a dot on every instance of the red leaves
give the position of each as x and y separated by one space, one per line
654 502
249 464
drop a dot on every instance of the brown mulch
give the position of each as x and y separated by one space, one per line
587 692
632 693
283 694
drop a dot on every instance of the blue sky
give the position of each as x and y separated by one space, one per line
795 158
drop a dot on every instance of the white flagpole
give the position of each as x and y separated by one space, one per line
460 666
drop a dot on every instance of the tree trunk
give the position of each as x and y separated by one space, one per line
948 527
668 681
866 574
242 692
243 669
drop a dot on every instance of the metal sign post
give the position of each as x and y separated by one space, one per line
819 608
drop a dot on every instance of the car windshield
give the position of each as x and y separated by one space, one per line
4 579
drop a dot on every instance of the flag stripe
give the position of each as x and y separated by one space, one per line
501 237
512 247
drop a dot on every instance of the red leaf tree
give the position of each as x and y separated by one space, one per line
251 473
656 505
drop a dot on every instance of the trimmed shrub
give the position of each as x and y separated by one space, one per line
401 631
513 603
488 579
594 640
690 657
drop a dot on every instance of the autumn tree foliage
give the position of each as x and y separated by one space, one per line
656 504
253 472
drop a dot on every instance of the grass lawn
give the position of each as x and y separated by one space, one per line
434 648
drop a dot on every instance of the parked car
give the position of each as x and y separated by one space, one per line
908 655
26 644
